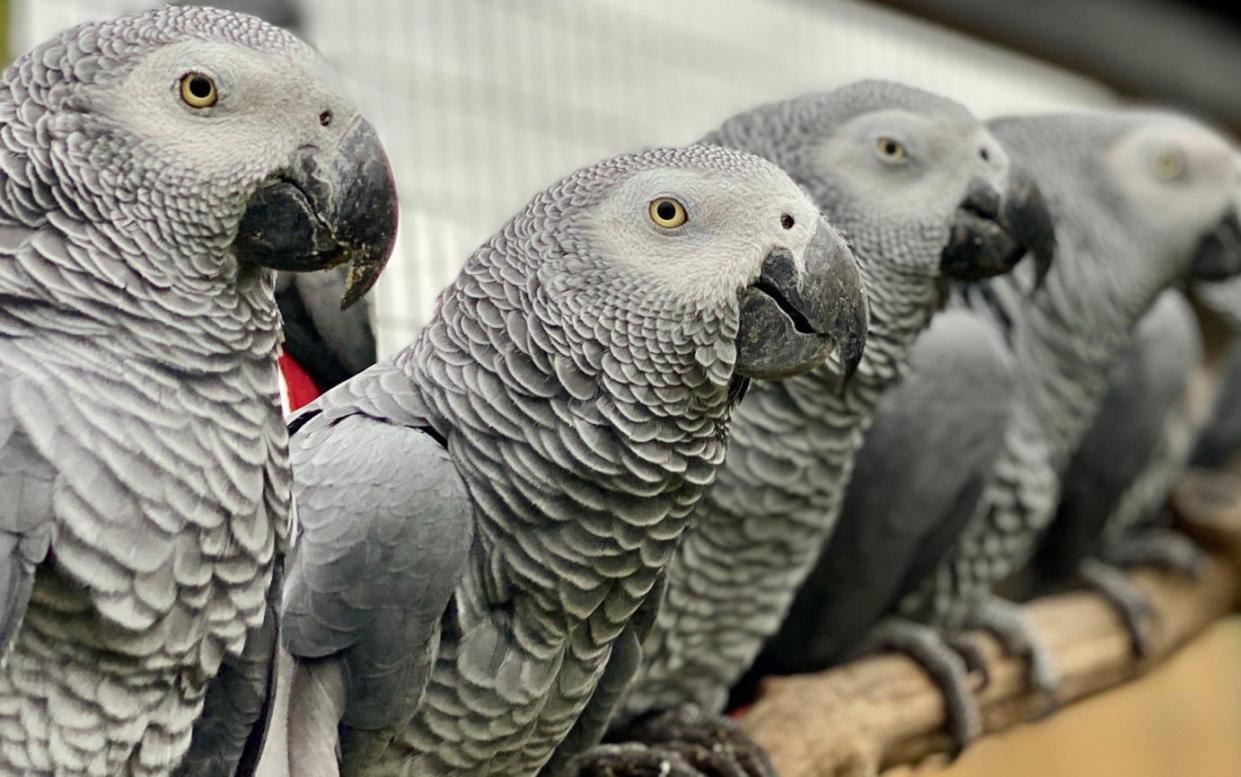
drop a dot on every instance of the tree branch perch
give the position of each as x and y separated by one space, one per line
884 711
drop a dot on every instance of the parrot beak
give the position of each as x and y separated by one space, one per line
991 233
333 206
1219 253
792 319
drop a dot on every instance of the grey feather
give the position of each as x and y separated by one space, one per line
924 458
282 13
228 737
28 480
1137 444
378 551
623 666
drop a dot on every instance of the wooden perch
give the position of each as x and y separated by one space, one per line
884 711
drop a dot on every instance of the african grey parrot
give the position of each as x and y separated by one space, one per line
1134 197
1118 480
331 344
924 194
1139 445
154 167
484 517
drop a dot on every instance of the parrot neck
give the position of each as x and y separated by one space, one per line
200 327
583 456
901 306
1065 341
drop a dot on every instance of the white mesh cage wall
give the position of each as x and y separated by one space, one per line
481 104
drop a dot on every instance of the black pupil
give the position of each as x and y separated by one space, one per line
890 147
666 210
200 87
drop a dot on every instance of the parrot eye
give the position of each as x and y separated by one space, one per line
667 213
1168 164
198 90
889 149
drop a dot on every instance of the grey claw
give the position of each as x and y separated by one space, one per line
1159 547
968 647
630 759
1132 605
947 668
711 745
1009 624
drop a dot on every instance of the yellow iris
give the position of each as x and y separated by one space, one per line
668 213
889 149
198 90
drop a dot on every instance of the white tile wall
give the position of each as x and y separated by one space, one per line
482 102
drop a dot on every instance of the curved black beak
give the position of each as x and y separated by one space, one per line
1219 253
991 232
334 205
791 319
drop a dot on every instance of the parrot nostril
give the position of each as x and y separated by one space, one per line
325 118
786 221
985 154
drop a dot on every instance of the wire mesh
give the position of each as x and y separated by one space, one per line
481 103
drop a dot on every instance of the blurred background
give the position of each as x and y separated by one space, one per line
481 104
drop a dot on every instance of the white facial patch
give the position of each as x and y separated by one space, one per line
268 104
734 220
939 154
1178 174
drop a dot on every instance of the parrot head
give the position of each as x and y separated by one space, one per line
718 239
1184 180
1153 194
914 180
214 140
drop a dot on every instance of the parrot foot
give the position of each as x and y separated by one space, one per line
1161 548
631 759
1132 605
1009 624
971 652
949 670
684 742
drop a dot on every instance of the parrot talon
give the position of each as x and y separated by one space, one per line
1009 624
1132 605
948 668
637 759
711 745
630 759
970 650
1161 548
